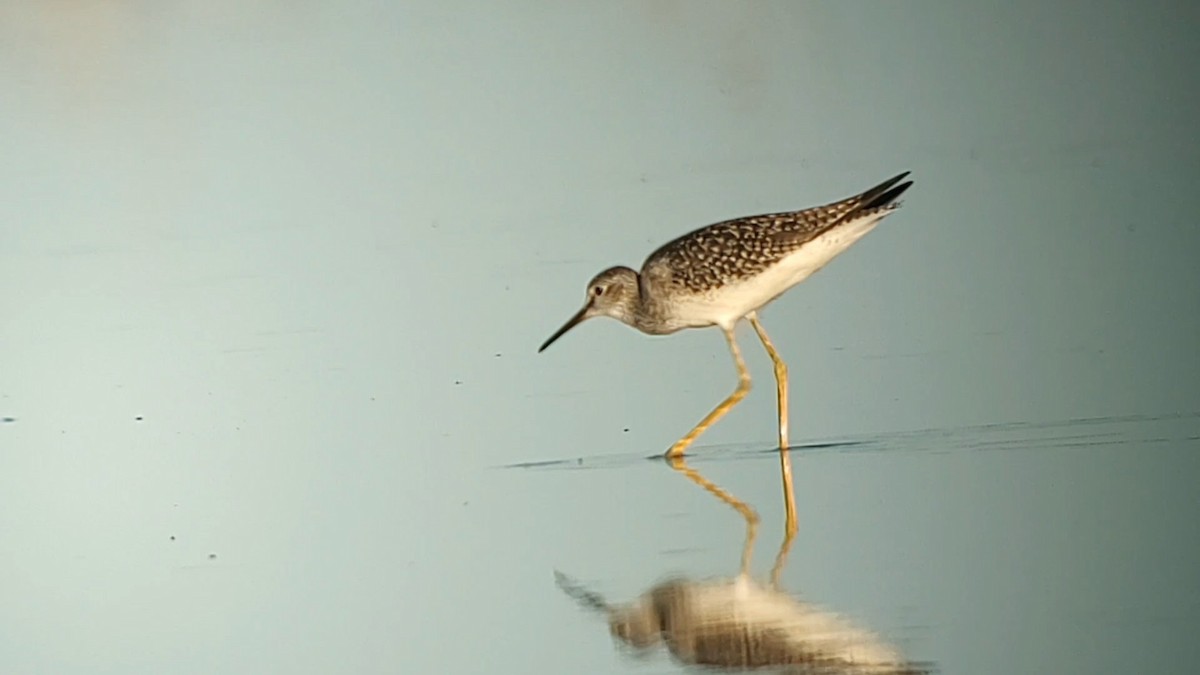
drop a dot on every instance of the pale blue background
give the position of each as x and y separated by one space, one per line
314 246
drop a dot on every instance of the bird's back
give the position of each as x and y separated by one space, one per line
718 273
724 252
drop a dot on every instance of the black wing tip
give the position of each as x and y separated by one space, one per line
871 194
887 198
885 193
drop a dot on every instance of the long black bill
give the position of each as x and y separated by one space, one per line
571 323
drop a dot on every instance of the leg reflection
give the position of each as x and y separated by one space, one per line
748 513
790 525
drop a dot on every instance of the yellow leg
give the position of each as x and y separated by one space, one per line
738 394
781 378
748 513
781 388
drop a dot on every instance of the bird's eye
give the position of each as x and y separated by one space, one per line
597 290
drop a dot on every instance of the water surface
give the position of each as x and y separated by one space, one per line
273 275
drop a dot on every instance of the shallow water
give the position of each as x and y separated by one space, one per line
272 278
1010 547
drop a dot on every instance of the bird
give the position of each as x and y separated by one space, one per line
722 273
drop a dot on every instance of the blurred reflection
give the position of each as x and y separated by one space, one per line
739 622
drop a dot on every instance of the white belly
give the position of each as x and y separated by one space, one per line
730 303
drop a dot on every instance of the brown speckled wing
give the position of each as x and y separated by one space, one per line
714 255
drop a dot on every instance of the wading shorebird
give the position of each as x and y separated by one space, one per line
725 272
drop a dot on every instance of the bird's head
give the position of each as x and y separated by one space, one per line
612 293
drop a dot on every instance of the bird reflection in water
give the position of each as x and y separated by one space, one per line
741 622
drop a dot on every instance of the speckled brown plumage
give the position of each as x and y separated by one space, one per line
740 248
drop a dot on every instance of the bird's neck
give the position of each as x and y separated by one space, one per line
645 315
